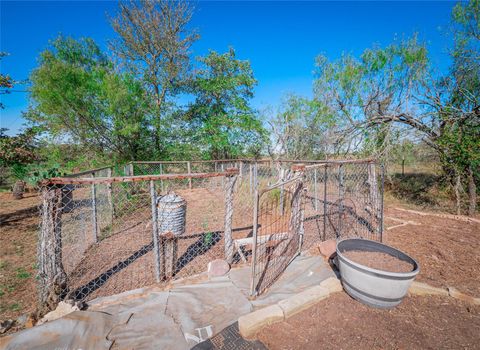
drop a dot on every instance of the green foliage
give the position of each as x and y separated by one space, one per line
6 81
79 95
303 128
22 273
221 121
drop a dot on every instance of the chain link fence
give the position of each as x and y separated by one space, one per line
113 229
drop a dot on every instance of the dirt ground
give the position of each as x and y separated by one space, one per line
446 249
339 322
18 248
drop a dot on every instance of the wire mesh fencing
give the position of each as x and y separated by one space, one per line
278 232
113 229
343 199
105 235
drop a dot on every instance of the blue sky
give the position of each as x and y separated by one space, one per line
281 39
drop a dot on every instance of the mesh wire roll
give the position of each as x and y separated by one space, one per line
172 210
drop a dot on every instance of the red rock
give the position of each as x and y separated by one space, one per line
218 267
328 248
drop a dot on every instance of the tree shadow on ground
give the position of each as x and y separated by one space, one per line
419 188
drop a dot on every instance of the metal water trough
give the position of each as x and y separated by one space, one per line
377 288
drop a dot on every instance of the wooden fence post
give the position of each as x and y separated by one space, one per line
156 253
296 221
52 276
231 179
168 247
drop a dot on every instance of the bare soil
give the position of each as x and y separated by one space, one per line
339 322
18 247
447 250
379 261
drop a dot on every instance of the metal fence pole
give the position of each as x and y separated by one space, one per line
161 181
282 192
109 197
255 175
189 170
94 211
250 177
254 245
341 194
325 178
156 255
382 185
315 188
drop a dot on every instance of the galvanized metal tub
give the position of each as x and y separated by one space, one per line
377 288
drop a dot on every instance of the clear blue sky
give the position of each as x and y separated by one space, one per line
281 39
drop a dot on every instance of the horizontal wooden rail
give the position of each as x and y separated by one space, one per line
107 180
86 172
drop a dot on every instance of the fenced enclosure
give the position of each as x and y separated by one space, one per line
113 229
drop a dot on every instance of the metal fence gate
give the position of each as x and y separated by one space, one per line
277 231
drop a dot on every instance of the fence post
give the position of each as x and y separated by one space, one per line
315 188
231 178
189 170
161 181
94 211
325 180
256 199
130 166
282 191
373 194
109 197
382 185
341 194
52 276
250 177
296 222
156 254
255 174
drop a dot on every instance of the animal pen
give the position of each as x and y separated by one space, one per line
114 229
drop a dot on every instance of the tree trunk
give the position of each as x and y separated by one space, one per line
51 274
472 192
229 197
457 187
18 189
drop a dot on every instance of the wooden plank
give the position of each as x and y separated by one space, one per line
139 178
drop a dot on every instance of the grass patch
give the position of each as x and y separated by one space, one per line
15 307
22 273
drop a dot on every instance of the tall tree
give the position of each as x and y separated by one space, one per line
6 81
154 42
224 124
76 93
303 129
16 153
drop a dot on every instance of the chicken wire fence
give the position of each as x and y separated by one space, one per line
113 229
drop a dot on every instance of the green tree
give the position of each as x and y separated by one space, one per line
77 94
16 153
153 43
6 81
221 120
303 129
